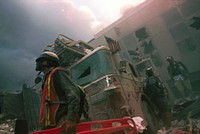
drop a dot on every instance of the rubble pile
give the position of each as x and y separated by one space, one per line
186 117
7 126
191 126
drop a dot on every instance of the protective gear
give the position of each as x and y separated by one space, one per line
49 56
154 87
60 99
169 58
155 91
179 74
149 71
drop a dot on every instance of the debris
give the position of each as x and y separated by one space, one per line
186 115
7 126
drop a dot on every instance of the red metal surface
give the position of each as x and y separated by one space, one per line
122 125
48 131
107 126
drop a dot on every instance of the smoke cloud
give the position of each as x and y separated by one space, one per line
27 26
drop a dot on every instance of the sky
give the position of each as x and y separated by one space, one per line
27 26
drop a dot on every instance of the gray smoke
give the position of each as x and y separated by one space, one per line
26 27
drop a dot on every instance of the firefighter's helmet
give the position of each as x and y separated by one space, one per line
48 56
51 59
169 58
149 71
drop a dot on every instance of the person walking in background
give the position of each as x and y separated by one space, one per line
61 101
155 90
180 76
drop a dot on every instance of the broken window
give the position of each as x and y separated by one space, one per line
148 47
196 22
136 54
129 41
141 34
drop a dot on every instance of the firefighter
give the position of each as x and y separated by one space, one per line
180 76
60 103
154 89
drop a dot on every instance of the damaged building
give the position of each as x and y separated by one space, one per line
154 29
157 29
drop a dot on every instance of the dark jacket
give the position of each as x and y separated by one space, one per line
154 87
177 68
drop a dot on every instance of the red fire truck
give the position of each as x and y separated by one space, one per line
113 85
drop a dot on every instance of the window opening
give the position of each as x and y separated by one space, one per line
85 73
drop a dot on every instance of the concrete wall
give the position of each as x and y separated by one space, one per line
23 106
167 23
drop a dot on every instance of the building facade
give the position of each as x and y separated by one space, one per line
156 29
